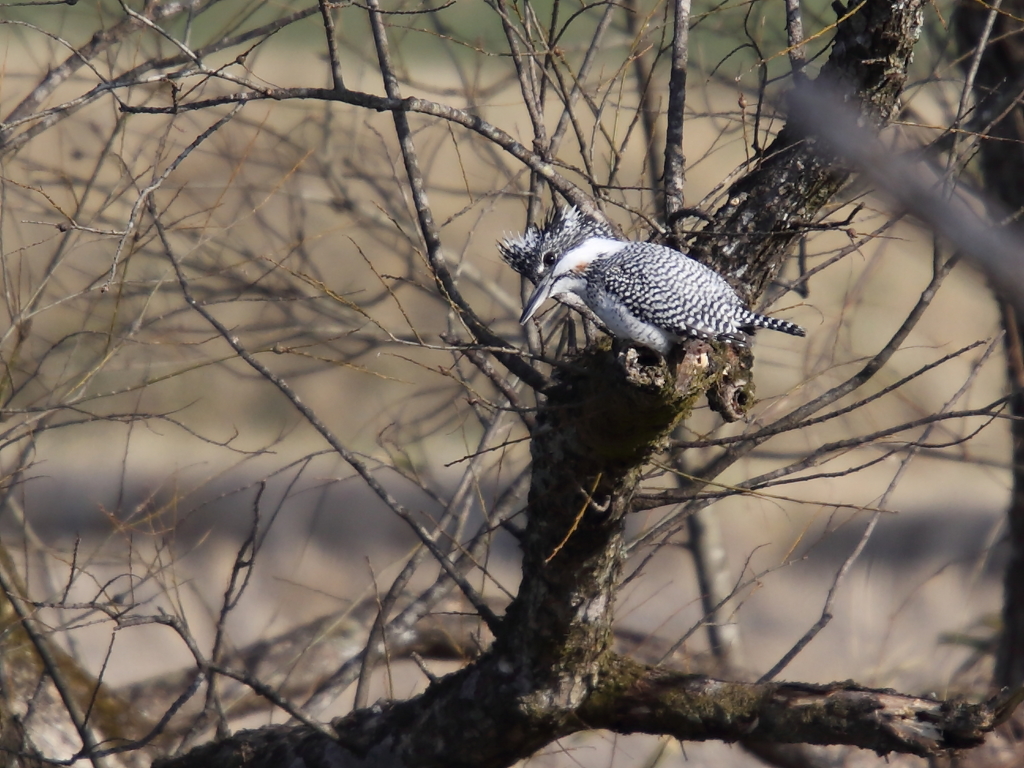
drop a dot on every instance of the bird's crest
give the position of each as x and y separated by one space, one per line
564 228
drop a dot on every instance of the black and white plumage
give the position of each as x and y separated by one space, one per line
564 228
650 294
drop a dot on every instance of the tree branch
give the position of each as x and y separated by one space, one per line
750 235
631 698
675 163
638 699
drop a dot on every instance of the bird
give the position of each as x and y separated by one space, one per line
564 227
529 254
648 294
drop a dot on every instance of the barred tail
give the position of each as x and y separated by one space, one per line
774 324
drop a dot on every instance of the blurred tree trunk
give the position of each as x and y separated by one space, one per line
991 40
1010 655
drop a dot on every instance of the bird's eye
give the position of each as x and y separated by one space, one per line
548 258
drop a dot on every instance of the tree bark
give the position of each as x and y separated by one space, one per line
632 698
750 236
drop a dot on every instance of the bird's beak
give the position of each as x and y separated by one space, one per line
540 295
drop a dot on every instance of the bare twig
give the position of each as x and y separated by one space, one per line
826 611
144 195
675 163
427 537
795 38
327 14
90 744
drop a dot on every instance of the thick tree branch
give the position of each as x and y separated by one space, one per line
638 699
749 237
632 698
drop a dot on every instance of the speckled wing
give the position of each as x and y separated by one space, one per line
665 288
